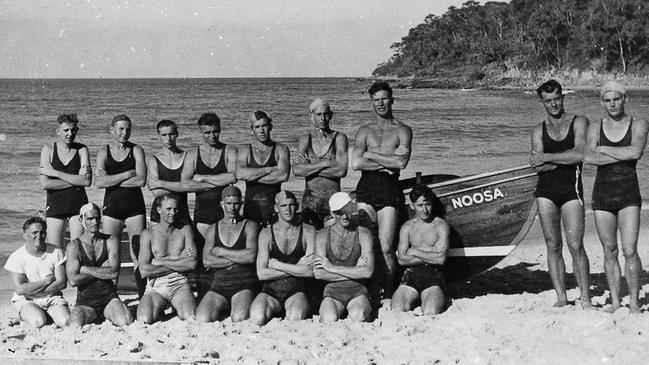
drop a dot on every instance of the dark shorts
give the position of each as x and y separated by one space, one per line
122 203
282 289
613 192
65 203
380 189
97 295
207 208
424 276
345 291
228 282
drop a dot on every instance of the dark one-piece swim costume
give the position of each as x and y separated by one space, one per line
122 202
260 197
207 208
282 289
318 189
346 290
97 293
65 203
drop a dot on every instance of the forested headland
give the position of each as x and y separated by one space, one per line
581 42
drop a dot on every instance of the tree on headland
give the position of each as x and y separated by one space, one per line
599 35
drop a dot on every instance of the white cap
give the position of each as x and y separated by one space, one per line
339 200
612 86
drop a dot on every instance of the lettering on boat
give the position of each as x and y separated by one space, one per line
477 198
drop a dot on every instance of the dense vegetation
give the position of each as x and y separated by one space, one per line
478 41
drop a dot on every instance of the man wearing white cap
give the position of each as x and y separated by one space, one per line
92 266
615 144
345 259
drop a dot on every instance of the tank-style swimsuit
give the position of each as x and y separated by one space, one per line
208 203
282 289
122 202
65 203
260 197
318 189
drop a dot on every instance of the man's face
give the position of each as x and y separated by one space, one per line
91 221
261 129
168 210
553 103
210 134
67 132
35 235
286 209
321 117
423 208
121 131
382 103
613 103
231 206
168 136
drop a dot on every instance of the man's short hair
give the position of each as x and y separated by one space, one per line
379 86
420 190
34 220
157 203
209 119
283 195
259 115
231 190
119 118
166 123
67 118
549 87
319 101
88 207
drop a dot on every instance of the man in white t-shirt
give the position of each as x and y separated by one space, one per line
38 272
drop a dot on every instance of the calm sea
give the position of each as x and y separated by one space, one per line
457 132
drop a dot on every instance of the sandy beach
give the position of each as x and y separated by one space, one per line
503 316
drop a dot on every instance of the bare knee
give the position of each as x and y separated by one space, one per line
36 320
297 314
240 315
328 315
359 314
257 316
610 252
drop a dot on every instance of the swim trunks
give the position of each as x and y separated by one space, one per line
346 290
119 202
65 203
97 293
318 189
616 184
233 279
424 276
380 189
45 303
563 184
207 208
173 175
284 288
260 197
168 286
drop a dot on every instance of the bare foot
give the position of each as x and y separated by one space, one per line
560 303
586 304
634 309
611 308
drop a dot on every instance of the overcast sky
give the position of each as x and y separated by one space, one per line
218 38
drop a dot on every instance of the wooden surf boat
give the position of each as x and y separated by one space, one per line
489 215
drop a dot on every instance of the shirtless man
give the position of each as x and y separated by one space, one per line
322 160
615 144
121 170
230 252
557 148
165 167
207 170
423 245
263 179
38 273
345 259
92 266
284 261
168 251
381 150
64 173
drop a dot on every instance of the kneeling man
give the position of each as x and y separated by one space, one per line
344 259
423 245
92 266
284 260
38 273
167 252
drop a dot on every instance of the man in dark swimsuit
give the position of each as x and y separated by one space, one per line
556 154
65 183
92 266
381 151
322 160
345 259
168 252
165 167
423 246
230 252
284 261
263 179
207 170
615 144
121 170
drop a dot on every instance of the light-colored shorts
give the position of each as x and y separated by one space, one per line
168 286
44 303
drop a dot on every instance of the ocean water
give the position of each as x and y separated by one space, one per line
456 132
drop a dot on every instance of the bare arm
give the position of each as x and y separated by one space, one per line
156 186
338 166
359 161
635 150
399 159
263 254
365 265
249 254
110 269
283 168
102 179
59 283
403 257
30 289
438 252
147 269
246 173
211 260
52 179
569 157
301 165
189 172
187 259
304 267
226 178
139 180
320 273
591 154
